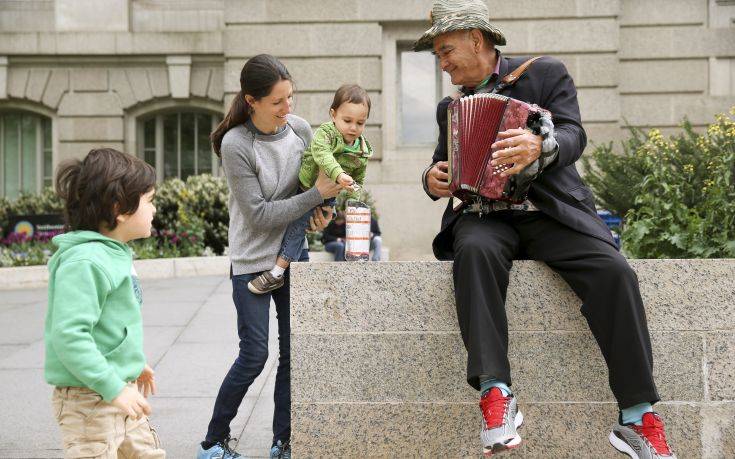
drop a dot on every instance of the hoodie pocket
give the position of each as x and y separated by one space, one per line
118 353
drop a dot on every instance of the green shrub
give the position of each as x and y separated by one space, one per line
683 201
616 178
200 203
30 204
19 250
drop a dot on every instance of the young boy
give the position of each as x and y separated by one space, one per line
94 331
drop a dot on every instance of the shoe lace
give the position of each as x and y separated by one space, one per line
227 450
286 451
282 450
493 408
653 431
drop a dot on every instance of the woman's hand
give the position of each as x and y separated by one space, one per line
319 221
327 188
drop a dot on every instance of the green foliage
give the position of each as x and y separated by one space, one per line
191 220
679 192
30 204
616 178
198 204
17 250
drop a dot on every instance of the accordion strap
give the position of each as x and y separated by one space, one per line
511 78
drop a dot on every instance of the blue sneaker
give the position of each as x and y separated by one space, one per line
220 450
281 450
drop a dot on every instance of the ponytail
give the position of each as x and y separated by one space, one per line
238 114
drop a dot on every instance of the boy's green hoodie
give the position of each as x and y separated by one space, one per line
94 329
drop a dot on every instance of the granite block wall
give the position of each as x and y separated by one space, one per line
378 364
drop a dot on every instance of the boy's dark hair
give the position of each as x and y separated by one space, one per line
350 93
103 185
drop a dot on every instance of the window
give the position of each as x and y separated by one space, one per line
26 163
422 85
177 144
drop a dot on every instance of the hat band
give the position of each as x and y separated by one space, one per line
462 18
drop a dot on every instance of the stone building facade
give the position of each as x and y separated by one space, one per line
153 76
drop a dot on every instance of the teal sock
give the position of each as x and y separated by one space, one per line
488 384
634 414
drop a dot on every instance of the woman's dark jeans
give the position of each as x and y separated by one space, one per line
252 327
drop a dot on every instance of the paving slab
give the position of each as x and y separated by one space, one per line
190 338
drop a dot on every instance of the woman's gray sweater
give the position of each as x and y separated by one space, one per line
263 175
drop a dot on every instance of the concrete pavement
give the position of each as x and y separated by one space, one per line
190 340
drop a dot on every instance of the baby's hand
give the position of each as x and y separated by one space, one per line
345 181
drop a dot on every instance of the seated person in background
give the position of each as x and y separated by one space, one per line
333 238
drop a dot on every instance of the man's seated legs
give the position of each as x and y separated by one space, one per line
612 305
337 248
376 245
483 252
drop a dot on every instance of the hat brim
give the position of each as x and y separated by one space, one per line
427 39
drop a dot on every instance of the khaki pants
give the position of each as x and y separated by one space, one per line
93 428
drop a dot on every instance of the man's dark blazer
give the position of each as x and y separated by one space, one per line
559 191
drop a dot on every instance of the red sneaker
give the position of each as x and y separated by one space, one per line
647 441
500 421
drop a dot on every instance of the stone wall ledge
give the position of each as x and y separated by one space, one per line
378 364
159 268
110 43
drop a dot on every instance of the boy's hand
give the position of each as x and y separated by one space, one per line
131 403
146 381
345 181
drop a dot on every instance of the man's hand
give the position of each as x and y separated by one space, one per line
131 403
319 221
146 381
437 180
516 146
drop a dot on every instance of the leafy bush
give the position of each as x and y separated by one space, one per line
191 220
200 203
677 194
30 204
614 177
20 250
170 244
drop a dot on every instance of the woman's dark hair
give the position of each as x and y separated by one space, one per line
257 78
350 93
103 185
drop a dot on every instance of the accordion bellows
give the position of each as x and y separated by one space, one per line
473 125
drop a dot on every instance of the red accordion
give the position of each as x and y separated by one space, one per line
473 125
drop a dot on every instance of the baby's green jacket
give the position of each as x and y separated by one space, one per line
327 152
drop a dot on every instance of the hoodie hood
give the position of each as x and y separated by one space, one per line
74 242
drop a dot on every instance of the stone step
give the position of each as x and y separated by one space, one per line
378 365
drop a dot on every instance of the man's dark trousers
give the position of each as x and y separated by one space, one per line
484 250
